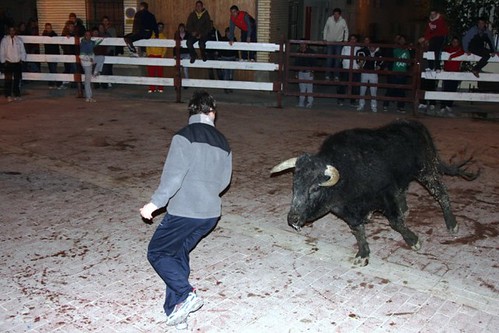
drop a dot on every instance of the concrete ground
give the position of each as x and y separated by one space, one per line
73 176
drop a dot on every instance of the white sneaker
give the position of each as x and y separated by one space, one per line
422 106
182 326
90 100
360 108
191 304
10 99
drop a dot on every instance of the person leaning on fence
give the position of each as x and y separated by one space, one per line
156 52
52 49
79 27
181 34
247 24
87 57
69 49
197 169
454 50
335 30
478 40
401 67
12 55
305 74
369 58
110 31
199 26
435 37
346 62
227 74
144 25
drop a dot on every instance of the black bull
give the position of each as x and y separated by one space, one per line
360 171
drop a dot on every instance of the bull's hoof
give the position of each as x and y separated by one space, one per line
454 230
417 246
361 262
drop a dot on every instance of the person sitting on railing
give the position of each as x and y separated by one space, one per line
199 25
478 40
247 24
144 24
434 38
455 50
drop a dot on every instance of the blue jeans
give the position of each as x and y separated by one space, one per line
333 62
168 253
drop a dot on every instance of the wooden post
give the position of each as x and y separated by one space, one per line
77 73
279 83
417 79
177 81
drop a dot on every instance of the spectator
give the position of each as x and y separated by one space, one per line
100 51
156 52
12 54
32 30
335 30
434 38
401 67
79 28
305 74
52 49
87 57
369 62
197 169
199 26
144 24
110 31
247 24
349 64
227 74
478 40
69 49
181 34
212 54
455 50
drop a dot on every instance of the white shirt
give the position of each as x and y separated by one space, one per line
12 49
335 31
346 51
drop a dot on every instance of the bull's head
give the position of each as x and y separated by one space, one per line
312 182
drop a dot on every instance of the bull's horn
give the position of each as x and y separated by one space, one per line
288 164
334 175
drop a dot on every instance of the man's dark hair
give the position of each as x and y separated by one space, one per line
337 10
199 2
234 7
72 15
144 4
201 102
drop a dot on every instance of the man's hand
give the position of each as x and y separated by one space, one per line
248 39
231 42
147 210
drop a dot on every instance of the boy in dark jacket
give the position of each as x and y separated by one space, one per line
199 26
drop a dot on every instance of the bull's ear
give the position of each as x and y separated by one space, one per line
288 164
334 176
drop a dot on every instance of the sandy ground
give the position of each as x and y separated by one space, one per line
74 174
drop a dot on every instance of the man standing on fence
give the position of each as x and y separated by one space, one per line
478 40
144 24
335 30
434 38
247 24
199 25
12 54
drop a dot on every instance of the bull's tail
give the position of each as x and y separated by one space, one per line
460 169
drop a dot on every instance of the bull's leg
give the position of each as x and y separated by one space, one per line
396 216
362 257
434 185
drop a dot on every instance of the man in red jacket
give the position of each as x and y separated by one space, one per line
247 24
434 37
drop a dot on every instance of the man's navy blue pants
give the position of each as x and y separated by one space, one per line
168 253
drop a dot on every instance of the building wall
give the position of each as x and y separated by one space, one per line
57 13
